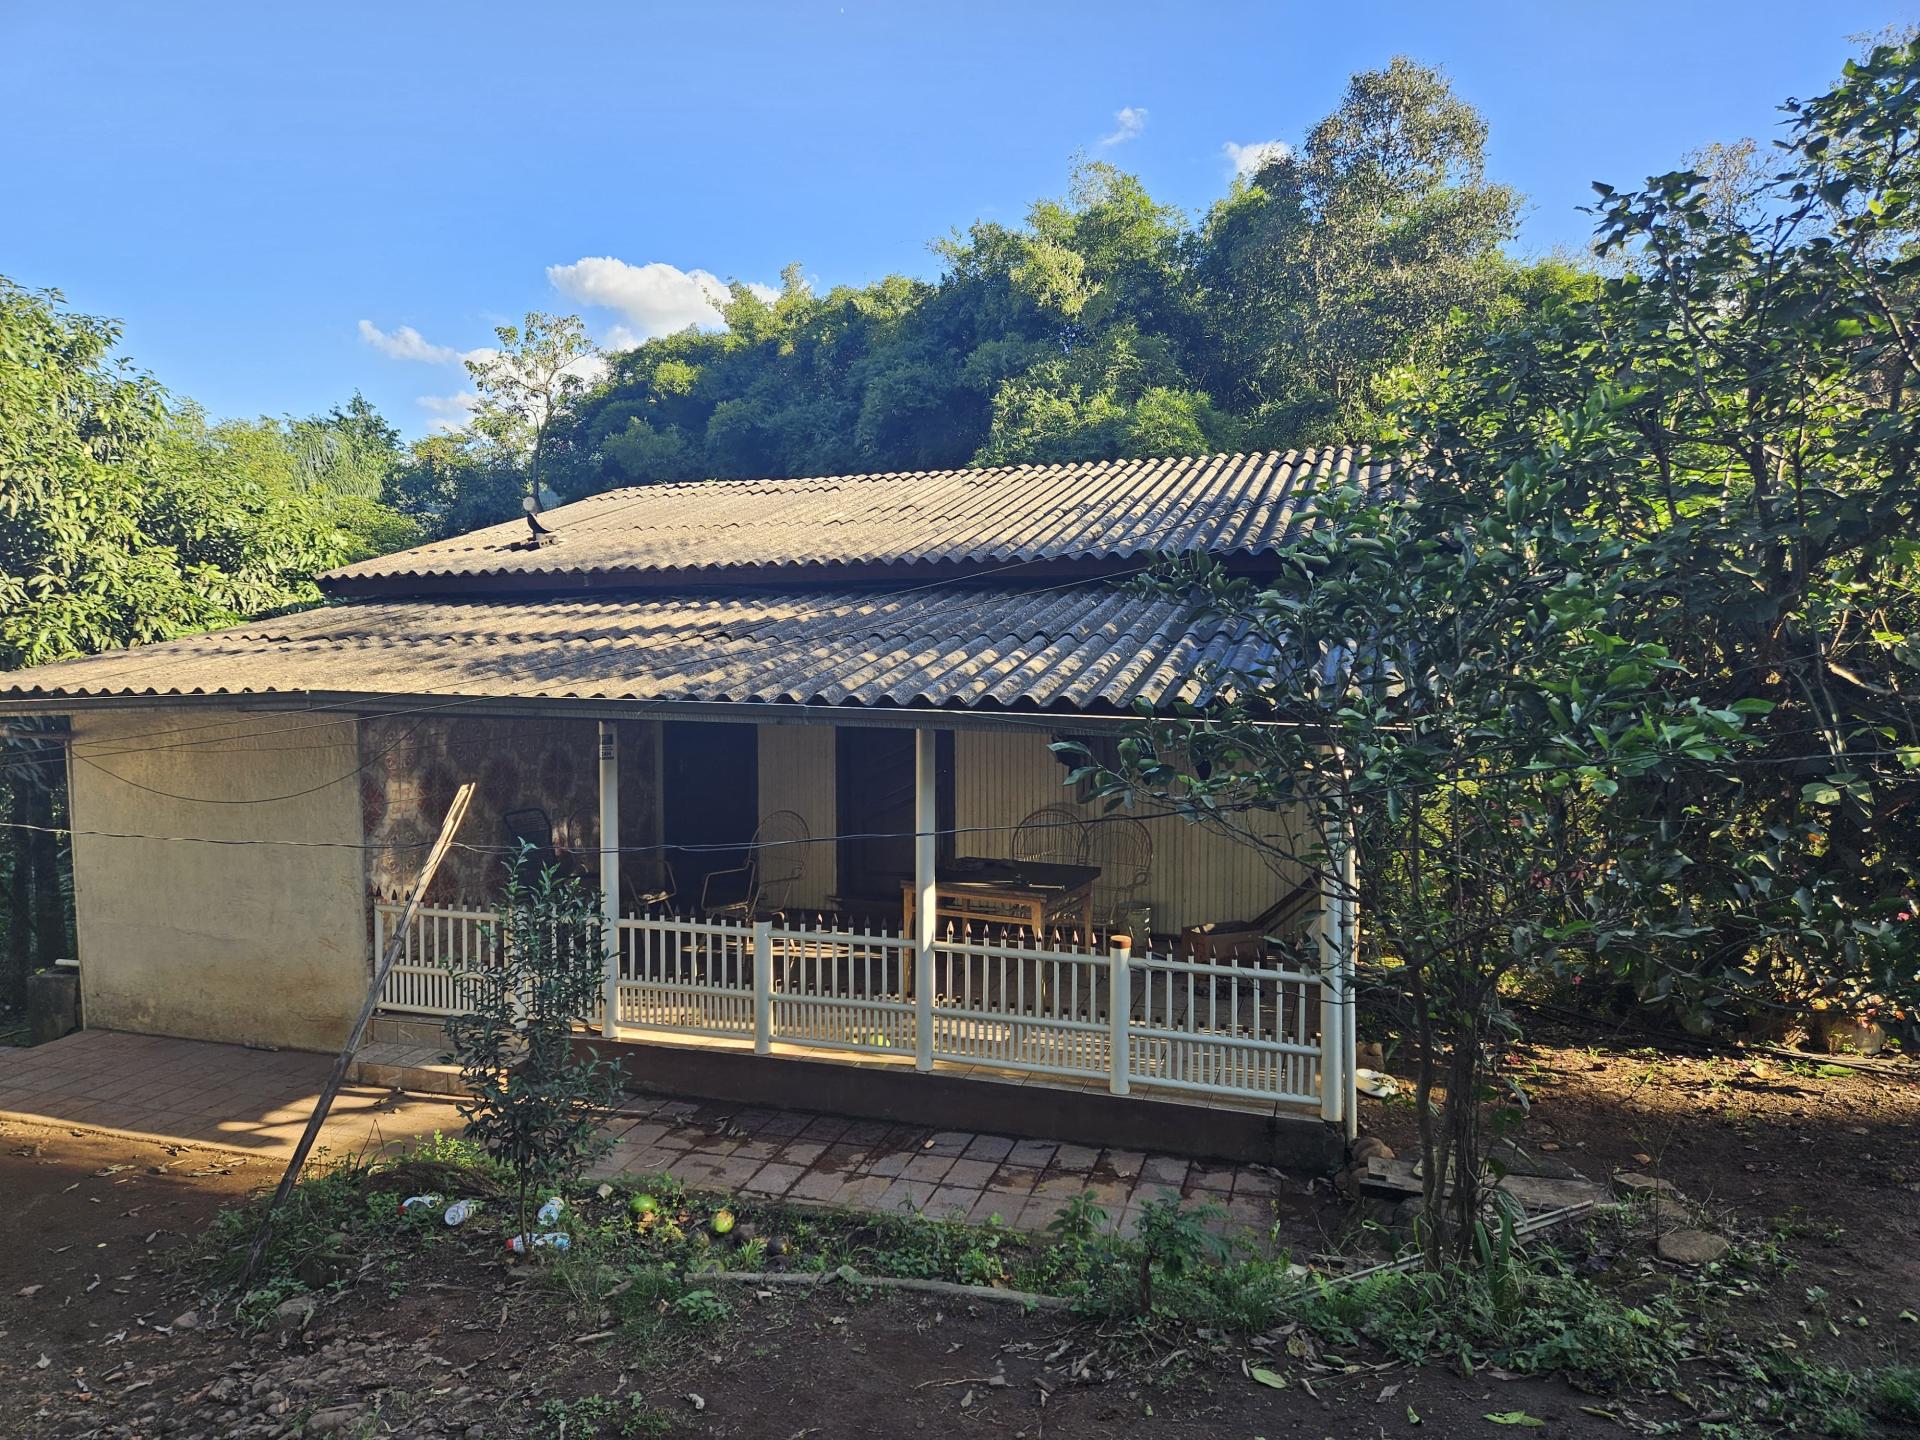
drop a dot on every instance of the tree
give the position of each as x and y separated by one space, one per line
1449 703
1104 325
1624 681
1761 467
535 1107
121 520
542 367
1376 248
449 484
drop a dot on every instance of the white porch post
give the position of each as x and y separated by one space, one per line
1349 959
1328 930
610 872
763 987
925 849
1336 930
1119 1012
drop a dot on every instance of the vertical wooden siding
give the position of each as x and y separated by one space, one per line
796 773
1002 776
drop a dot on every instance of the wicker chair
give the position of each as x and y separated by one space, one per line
1052 835
776 861
1123 849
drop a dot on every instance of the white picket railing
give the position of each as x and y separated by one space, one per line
439 944
1038 1009
1243 1029
689 977
1248 1029
838 990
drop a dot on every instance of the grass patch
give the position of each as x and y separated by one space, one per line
343 1225
644 1253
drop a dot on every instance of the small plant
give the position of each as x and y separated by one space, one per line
534 1107
1174 1240
702 1307
1078 1222
591 1415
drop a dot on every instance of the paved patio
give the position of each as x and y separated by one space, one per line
199 1093
258 1101
827 1160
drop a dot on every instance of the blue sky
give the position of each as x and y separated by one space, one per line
266 193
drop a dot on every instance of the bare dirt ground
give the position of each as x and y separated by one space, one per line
1820 1167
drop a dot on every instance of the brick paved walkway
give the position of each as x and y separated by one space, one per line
205 1094
258 1101
946 1174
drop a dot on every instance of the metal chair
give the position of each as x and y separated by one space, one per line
776 861
1123 849
1052 835
647 882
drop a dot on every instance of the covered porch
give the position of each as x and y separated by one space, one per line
773 884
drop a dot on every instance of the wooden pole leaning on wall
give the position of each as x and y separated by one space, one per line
456 812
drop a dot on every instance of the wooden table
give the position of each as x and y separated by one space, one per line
979 890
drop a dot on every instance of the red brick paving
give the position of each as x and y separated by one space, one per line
201 1093
258 1101
869 1165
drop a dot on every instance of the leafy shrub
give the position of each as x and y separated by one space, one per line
535 1108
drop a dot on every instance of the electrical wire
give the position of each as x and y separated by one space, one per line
710 848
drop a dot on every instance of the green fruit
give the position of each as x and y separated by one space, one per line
643 1205
722 1221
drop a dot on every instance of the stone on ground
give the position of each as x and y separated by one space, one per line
1691 1247
1632 1182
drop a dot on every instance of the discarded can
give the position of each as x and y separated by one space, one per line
557 1240
549 1213
458 1212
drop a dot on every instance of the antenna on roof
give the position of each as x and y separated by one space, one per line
532 507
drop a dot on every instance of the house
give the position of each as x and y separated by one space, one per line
798 734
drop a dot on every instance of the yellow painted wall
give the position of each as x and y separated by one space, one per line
796 773
1000 777
259 943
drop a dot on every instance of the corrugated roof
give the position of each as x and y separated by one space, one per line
789 532
1095 647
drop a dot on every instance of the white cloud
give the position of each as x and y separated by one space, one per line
653 299
1255 155
448 413
1128 122
405 343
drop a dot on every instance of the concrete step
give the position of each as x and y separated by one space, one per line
423 1069
420 1031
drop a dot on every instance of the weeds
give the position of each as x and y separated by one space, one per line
644 1257
591 1415
1783 1390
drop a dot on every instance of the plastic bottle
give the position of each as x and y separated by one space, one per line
558 1240
458 1212
426 1202
549 1213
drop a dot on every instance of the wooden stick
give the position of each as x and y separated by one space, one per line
848 1275
456 812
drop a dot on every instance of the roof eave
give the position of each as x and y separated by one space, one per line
730 578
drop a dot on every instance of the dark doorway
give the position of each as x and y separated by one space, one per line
874 770
710 796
